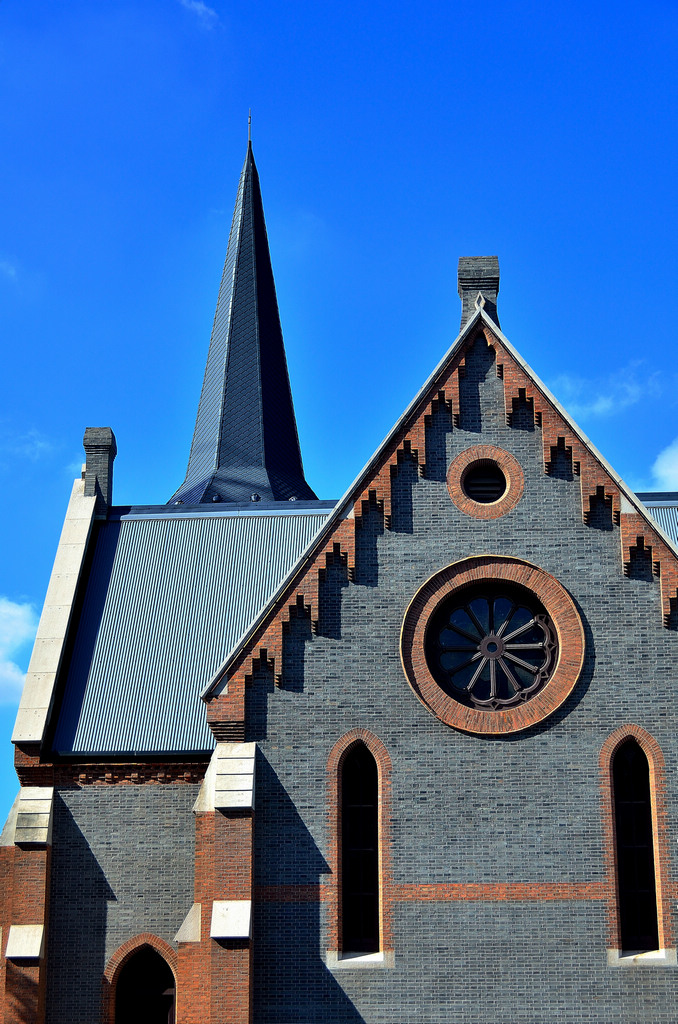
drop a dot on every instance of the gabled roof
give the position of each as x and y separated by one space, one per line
245 440
167 591
409 434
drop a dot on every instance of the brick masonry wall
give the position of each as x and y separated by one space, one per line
122 864
500 896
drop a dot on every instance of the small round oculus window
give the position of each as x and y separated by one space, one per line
491 646
484 482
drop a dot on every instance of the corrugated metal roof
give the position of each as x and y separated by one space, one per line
167 597
663 506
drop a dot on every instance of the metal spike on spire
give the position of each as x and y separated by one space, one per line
245 444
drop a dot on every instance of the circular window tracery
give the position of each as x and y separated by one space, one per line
492 644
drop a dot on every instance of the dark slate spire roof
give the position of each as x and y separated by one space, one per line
245 440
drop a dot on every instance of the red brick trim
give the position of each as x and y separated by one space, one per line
485 453
564 616
662 863
120 958
500 892
332 890
448 892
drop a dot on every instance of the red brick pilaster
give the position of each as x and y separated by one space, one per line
24 880
215 974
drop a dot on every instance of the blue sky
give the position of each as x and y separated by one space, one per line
390 140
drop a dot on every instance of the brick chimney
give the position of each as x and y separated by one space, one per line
100 451
478 285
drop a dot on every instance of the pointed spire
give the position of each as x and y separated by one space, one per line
245 444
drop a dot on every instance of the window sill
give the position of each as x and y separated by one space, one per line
651 958
359 961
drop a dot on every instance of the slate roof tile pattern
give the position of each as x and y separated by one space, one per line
245 439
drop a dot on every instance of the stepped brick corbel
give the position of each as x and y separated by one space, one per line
226 711
635 532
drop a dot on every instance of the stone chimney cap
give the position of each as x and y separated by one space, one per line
478 286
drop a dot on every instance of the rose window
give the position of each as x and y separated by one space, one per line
491 646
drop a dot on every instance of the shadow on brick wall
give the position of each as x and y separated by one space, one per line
368 530
478 363
438 430
403 483
79 894
292 985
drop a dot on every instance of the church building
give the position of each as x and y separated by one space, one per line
408 757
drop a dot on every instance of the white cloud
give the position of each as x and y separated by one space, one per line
207 15
31 445
586 398
18 623
665 468
8 269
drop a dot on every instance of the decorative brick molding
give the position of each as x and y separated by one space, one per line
226 708
120 958
34 771
334 796
479 454
665 890
564 616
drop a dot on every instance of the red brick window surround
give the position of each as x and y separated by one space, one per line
660 835
476 572
342 750
477 457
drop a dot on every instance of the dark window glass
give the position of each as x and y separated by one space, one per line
635 853
359 852
144 993
484 482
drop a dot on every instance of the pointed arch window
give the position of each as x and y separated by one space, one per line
360 909
634 847
145 990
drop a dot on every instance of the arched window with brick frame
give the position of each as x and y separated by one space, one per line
140 982
636 843
359 818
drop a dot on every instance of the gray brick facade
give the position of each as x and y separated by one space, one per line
516 809
122 864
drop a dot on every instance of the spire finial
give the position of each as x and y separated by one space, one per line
249 126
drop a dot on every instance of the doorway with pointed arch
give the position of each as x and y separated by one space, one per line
142 983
